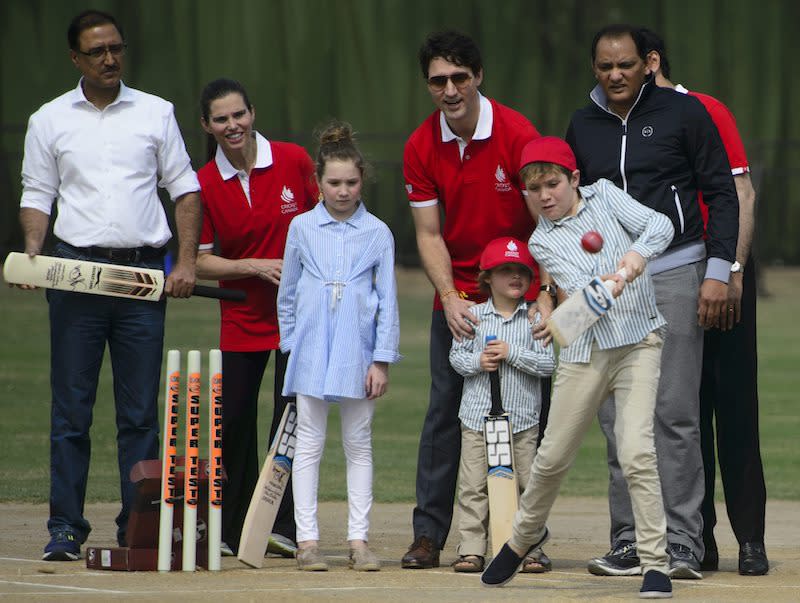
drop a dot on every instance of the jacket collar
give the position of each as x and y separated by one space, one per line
599 98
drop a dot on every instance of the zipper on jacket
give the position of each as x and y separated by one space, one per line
622 151
678 206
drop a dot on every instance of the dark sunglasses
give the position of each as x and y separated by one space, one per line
459 79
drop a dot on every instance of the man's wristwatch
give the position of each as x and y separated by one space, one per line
550 290
737 267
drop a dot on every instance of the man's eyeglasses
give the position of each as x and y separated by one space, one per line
459 79
99 53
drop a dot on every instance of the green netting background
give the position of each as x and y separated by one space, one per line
305 61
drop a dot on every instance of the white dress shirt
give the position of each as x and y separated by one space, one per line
102 168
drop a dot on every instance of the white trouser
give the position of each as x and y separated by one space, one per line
312 417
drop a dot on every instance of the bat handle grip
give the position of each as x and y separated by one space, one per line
494 386
609 284
219 293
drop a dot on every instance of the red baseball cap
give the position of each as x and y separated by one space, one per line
549 149
506 250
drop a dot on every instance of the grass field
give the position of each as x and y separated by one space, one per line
193 324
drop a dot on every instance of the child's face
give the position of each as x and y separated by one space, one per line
509 281
341 188
553 195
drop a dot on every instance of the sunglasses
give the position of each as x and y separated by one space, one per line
459 79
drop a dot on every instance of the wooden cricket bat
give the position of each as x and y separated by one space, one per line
581 310
501 479
269 491
84 276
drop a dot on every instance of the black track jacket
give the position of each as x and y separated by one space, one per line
662 154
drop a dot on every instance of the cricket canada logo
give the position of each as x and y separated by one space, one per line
512 251
501 185
288 203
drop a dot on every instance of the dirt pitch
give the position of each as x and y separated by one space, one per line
579 527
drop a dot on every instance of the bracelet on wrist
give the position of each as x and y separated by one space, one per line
460 294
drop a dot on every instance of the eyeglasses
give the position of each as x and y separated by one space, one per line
459 79
99 53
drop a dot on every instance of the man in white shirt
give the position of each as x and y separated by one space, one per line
98 151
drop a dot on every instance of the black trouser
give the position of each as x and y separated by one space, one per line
242 373
729 406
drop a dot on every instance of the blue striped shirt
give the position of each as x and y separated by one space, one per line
337 303
520 388
626 225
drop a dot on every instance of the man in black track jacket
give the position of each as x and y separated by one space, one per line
662 147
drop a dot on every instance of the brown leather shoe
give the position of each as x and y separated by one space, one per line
422 554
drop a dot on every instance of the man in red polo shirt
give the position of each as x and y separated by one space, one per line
461 163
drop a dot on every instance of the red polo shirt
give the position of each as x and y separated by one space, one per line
280 190
734 148
479 193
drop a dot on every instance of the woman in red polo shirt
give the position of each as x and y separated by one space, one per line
251 190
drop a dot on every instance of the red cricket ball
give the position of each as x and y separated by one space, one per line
592 241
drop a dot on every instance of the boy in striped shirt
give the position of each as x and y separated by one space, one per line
506 272
620 354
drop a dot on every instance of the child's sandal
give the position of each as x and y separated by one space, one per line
536 563
468 564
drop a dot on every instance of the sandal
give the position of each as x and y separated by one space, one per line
468 564
536 563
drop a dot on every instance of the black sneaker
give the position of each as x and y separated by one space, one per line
503 567
63 546
683 563
623 560
656 585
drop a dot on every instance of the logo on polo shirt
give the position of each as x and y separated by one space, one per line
288 205
409 188
512 251
647 131
502 185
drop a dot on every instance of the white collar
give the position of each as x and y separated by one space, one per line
681 88
263 158
124 94
483 129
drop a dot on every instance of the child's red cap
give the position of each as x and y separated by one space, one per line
549 149
506 250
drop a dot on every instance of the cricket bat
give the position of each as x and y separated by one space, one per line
269 491
582 309
501 479
84 276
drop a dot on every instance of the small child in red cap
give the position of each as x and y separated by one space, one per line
506 272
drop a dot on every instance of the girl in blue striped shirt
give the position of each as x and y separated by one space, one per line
338 316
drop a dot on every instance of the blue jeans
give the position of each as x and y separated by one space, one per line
80 326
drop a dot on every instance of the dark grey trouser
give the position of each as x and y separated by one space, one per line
677 421
440 441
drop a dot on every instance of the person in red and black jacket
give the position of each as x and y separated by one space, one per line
729 388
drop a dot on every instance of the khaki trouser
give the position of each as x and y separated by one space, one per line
473 499
631 373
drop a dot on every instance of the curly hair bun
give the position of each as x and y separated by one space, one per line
336 132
